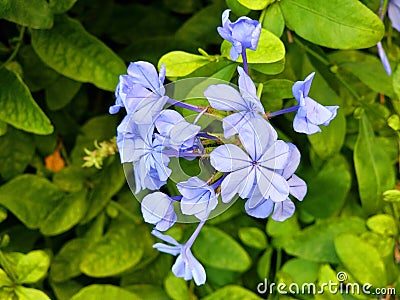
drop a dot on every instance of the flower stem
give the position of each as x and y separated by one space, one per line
15 52
185 105
244 58
194 235
283 111
383 9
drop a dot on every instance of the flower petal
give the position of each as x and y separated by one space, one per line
224 97
157 209
235 183
283 210
256 136
262 210
228 158
272 185
165 238
394 14
297 187
276 157
293 161
166 120
302 88
145 74
302 125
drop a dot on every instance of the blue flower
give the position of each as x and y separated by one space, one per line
157 209
284 209
310 114
138 147
243 34
175 132
141 92
186 265
246 103
256 170
394 13
198 198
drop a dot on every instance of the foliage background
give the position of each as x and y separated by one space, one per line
69 232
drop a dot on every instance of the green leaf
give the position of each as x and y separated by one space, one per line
315 243
180 63
23 114
16 151
24 204
4 280
69 211
264 264
32 267
25 293
253 237
282 232
232 292
32 13
301 270
361 259
338 24
396 81
273 19
70 178
3 128
270 49
375 173
255 4
104 292
61 6
367 68
326 274
61 92
383 224
225 252
112 178
65 290
176 288
322 202
70 50
237 8
148 291
116 252
66 263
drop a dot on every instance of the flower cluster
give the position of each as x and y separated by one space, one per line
249 159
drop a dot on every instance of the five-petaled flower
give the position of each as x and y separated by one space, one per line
198 198
186 265
256 171
245 105
141 92
297 188
310 114
243 34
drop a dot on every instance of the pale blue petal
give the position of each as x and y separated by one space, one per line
317 113
165 237
302 88
293 161
232 123
225 33
333 110
166 120
283 210
197 270
145 74
276 157
302 125
257 135
384 59
235 183
225 17
272 185
246 85
228 158
255 36
224 97
262 210
161 75
394 14
234 53
182 132
157 209
297 187
173 250
147 109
